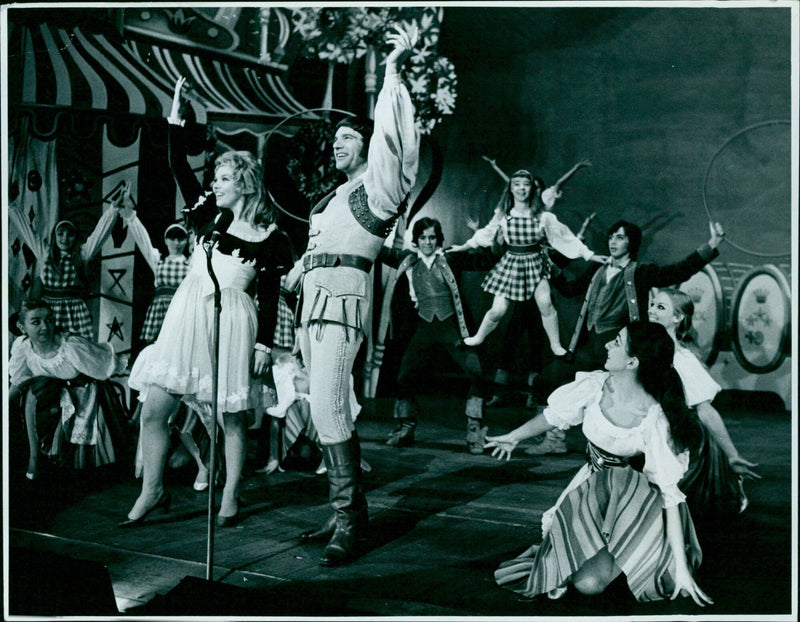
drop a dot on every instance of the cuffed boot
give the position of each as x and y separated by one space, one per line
405 412
347 500
326 530
476 435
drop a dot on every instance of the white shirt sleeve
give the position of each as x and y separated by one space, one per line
566 405
562 239
484 237
393 155
96 360
662 466
698 385
101 232
142 240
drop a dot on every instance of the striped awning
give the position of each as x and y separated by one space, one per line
69 69
227 90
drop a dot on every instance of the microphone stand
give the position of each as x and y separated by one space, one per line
212 475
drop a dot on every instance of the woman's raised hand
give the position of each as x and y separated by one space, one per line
175 113
402 41
503 445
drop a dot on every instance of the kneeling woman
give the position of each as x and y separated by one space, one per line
613 518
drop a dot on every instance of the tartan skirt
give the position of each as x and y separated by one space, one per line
615 508
284 327
155 317
516 275
71 315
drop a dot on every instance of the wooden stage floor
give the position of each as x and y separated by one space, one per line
441 522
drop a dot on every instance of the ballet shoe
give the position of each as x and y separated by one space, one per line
30 475
200 485
163 502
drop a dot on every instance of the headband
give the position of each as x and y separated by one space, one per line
65 222
176 226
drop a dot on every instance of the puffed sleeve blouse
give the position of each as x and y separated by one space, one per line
75 355
557 233
698 385
579 403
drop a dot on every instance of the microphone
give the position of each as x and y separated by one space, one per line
223 222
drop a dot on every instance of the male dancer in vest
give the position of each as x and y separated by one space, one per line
433 278
618 293
347 230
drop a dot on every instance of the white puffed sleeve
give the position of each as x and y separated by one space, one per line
698 385
142 240
393 156
484 237
566 404
549 196
96 360
562 239
18 370
662 466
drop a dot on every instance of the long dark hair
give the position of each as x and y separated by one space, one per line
653 347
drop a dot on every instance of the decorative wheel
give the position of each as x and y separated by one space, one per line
748 182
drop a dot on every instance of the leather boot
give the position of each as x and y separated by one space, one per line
347 500
405 412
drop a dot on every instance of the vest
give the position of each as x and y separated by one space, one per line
434 298
596 288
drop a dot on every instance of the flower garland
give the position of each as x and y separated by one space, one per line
344 34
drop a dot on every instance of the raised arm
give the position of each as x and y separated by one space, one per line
393 156
191 189
496 168
664 276
102 230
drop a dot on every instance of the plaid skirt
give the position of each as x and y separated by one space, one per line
615 508
72 315
155 317
284 327
516 275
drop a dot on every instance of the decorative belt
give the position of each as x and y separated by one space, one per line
165 290
522 249
327 260
601 459
63 292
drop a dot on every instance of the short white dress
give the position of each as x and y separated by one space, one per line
180 360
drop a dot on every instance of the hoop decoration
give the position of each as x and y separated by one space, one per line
705 290
294 167
761 319
746 168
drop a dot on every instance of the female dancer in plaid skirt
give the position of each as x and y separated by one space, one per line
169 271
522 223
63 282
619 514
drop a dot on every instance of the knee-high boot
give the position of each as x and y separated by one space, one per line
328 527
347 500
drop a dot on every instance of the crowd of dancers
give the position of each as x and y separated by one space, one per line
290 329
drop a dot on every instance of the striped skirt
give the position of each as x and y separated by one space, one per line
617 509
